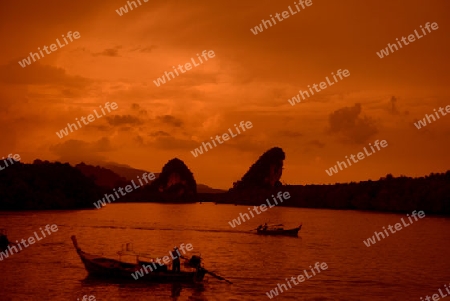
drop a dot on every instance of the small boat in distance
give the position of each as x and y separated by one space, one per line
4 242
101 267
277 230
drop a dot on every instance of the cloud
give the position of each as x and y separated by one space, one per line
171 120
118 120
138 108
289 133
112 52
347 124
159 133
172 143
39 74
165 141
317 143
147 49
102 128
77 150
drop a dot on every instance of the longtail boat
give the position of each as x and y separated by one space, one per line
277 230
101 267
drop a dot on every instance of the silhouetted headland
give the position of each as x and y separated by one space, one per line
402 194
46 185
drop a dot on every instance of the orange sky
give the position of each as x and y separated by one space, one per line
251 78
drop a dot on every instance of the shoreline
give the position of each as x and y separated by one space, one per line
8 212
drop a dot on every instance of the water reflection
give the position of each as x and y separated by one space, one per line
176 291
197 291
193 291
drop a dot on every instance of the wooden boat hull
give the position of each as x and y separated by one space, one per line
288 232
101 267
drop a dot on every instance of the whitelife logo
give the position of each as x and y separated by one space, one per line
102 203
436 296
411 38
162 80
64 132
430 118
285 14
198 151
237 221
282 287
323 85
360 156
371 240
11 159
166 260
86 298
30 240
124 9
27 61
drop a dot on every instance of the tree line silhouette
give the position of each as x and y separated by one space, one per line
402 194
47 185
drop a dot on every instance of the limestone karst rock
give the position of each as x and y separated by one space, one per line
265 172
176 181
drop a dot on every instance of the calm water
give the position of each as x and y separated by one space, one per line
407 265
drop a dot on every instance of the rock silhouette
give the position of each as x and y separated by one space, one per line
175 183
264 173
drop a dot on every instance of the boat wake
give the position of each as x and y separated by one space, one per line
173 229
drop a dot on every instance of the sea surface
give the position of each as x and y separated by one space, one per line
407 265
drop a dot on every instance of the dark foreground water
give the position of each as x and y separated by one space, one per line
407 265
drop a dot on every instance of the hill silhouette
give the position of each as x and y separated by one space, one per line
45 185
125 171
111 175
102 176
